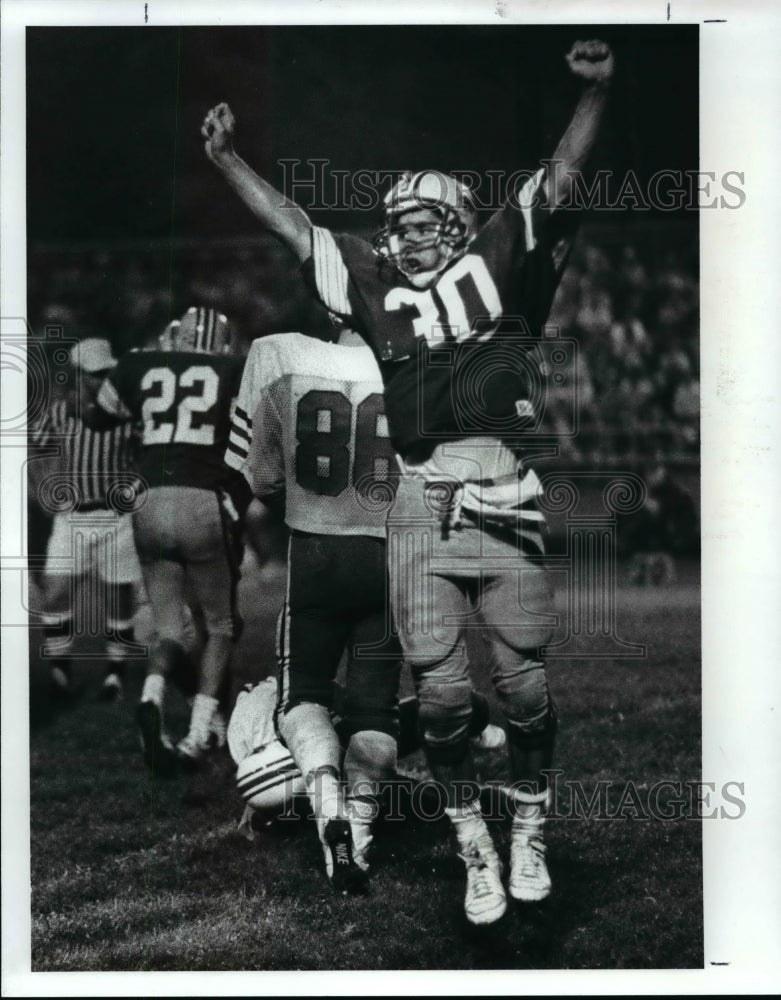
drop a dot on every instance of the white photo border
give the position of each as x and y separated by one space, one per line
740 73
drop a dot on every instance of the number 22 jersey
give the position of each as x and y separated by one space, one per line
309 425
183 402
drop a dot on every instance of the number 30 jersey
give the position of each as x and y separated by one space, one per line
453 356
309 424
183 402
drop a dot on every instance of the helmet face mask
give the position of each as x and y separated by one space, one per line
429 221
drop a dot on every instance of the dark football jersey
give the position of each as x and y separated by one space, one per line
454 357
183 402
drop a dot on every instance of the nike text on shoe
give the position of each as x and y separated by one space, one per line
529 878
485 901
346 876
159 753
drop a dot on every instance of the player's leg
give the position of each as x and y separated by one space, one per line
211 548
59 582
428 609
120 570
310 642
516 611
164 582
371 720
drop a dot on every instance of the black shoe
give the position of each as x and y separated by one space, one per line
159 754
111 689
346 876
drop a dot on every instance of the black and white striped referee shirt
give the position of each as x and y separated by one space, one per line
95 468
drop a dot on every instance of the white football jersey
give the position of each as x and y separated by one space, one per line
309 423
251 724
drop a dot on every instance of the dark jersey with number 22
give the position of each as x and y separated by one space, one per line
453 356
183 402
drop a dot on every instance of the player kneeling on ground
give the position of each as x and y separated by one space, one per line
268 778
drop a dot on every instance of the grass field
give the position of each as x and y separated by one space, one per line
131 874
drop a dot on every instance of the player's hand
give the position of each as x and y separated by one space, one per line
592 61
217 130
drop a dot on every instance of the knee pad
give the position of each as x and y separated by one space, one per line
445 713
522 688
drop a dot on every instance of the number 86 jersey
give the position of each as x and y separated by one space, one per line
309 424
183 400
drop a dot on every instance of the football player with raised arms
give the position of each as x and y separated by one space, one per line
434 297
188 532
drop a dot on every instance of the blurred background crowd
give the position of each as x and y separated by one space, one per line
629 300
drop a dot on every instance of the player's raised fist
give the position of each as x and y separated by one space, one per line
592 61
217 130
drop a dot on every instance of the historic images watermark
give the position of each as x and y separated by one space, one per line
666 800
316 185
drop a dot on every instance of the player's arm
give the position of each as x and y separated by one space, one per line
592 63
107 409
276 213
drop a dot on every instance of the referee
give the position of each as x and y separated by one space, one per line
91 492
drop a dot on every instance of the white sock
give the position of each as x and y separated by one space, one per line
361 815
310 738
154 689
469 824
325 795
530 812
204 707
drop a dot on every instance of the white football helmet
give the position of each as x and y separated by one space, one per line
269 778
455 228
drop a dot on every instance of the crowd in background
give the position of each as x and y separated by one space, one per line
630 300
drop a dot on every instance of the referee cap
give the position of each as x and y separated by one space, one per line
93 355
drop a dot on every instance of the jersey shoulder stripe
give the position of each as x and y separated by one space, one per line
330 273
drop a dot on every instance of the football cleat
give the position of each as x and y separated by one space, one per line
158 750
485 900
362 842
529 878
346 875
491 738
192 749
111 689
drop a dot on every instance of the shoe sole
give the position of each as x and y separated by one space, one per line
159 758
489 917
347 876
528 896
